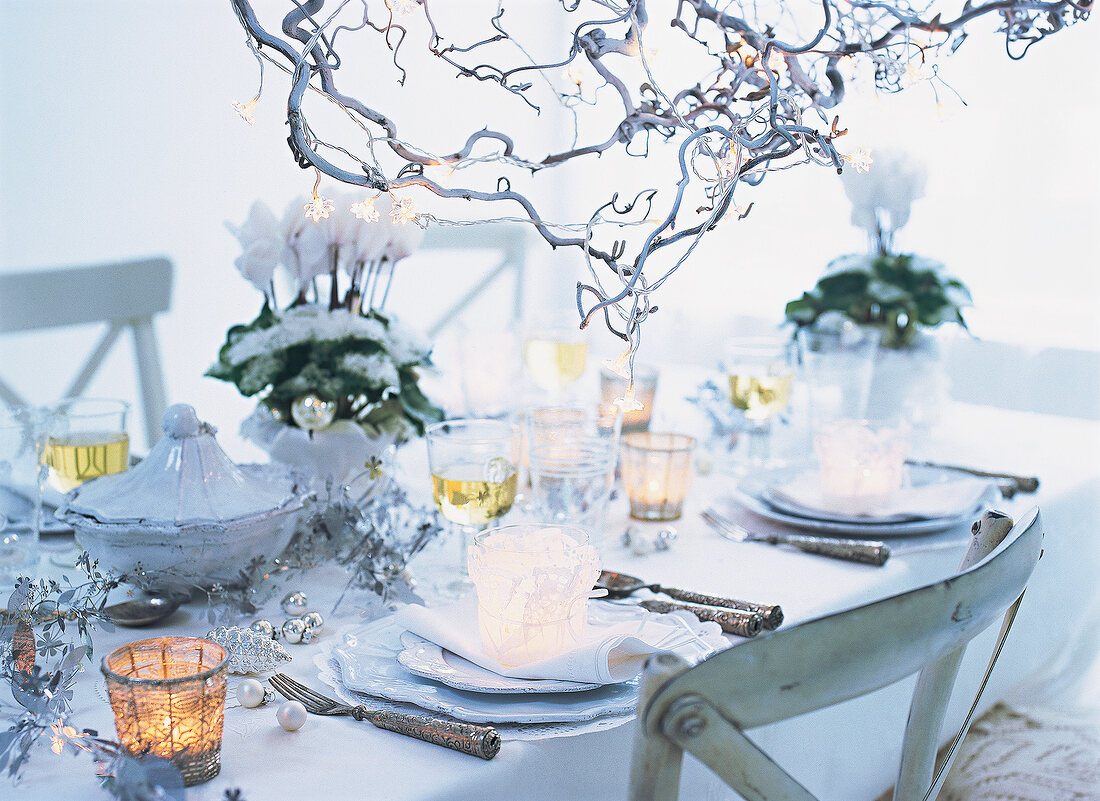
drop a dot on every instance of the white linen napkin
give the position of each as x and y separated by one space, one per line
948 498
613 647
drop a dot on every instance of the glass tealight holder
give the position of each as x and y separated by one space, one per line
533 581
168 697
657 473
862 463
614 387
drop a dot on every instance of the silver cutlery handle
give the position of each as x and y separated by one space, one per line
869 553
772 615
469 738
733 621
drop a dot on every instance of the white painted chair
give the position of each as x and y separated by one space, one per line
707 709
509 241
124 295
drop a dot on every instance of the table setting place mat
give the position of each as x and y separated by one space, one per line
362 665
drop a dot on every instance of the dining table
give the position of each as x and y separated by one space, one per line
846 752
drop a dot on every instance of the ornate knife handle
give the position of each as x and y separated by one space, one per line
772 615
870 553
469 738
733 621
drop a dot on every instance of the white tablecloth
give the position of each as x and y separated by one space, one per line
845 753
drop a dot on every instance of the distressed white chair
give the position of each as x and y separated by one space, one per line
124 295
707 709
508 241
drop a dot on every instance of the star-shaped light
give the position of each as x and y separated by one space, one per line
629 402
246 109
403 211
364 210
619 366
776 62
915 72
861 160
401 8
319 208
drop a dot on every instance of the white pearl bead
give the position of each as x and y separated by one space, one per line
291 715
250 693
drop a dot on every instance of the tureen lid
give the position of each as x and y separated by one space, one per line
186 479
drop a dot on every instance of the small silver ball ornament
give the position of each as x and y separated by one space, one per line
291 715
294 630
315 621
295 604
312 412
262 626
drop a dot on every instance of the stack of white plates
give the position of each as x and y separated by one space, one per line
380 664
762 494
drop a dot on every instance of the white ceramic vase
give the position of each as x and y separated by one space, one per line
337 453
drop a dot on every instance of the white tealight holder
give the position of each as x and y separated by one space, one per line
862 463
533 581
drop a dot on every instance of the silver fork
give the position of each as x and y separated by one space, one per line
868 552
469 738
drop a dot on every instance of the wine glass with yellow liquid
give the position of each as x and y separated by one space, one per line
555 357
85 438
760 371
474 466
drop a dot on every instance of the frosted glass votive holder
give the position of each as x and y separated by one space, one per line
657 474
862 463
533 581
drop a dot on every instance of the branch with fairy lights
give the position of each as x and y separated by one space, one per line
775 72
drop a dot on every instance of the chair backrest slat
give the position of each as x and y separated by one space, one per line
122 291
830 659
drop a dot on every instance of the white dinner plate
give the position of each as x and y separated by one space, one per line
753 492
367 659
427 659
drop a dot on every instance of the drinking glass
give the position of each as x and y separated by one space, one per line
838 366
573 454
555 357
760 372
474 468
491 368
85 438
21 477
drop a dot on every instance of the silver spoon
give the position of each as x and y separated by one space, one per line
144 611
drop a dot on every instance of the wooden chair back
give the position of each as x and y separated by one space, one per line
706 709
124 295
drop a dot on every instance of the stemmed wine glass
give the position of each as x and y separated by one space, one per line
85 438
555 357
474 469
760 372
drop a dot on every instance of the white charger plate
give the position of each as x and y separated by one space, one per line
754 493
427 659
367 659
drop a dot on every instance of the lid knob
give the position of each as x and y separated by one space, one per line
180 421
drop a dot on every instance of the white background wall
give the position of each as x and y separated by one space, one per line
117 139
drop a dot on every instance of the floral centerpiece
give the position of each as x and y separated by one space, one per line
330 361
900 293
904 295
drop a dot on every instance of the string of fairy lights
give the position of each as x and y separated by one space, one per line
767 101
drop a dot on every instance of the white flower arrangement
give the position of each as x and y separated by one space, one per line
882 196
327 344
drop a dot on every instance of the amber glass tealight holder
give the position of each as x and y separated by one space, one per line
168 696
657 473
